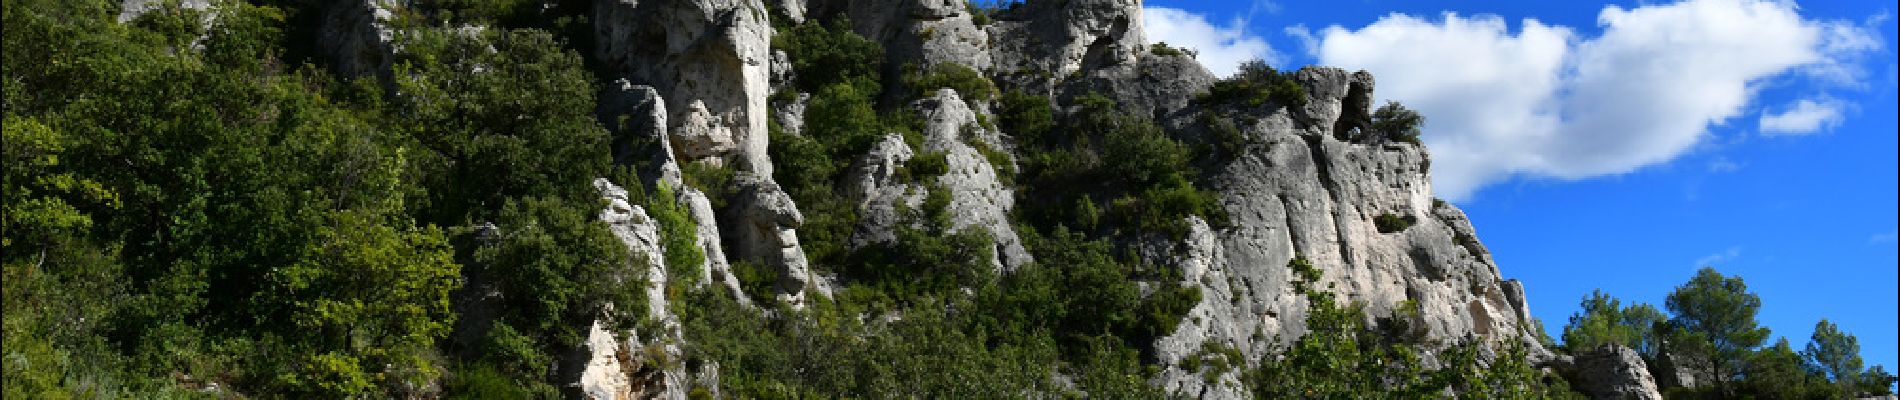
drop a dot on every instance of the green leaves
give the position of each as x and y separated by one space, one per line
1718 314
1603 320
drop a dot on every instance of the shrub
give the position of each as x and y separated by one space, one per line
824 55
1256 85
1395 122
927 166
1389 223
1162 49
1027 117
712 179
969 84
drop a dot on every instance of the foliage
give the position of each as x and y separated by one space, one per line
1164 50
1835 354
824 55
1255 85
1602 319
1389 223
927 166
1716 313
969 84
214 216
1150 181
1395 122
1340 358
1776 372
1028 117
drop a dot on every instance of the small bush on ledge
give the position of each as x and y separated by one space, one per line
1389 223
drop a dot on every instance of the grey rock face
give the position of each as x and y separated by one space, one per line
1612 372
764 234
617 370
1161 86
925 32
714 53
716 269
1046 40
1297 189
636 116
791 114
874 183
793 10
357 39
978 197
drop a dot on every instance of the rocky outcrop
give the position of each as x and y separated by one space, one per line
1050 40
922 32
706 232
357 39
1611 372
710 58
626 365
765 235
978 197
636 117
874 182
1298 190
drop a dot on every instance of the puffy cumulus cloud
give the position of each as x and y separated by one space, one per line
1220 48
1543 101
1807 116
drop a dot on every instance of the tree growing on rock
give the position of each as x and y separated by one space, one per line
1604 320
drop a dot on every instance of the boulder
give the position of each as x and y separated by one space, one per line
1611 371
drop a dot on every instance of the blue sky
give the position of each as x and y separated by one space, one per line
1622 145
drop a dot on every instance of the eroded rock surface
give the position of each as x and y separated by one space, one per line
711 57
978 197
1299 190
765 235
1612 372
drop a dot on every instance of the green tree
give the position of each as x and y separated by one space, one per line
1717 315
1603 320
1395 122
1777 372
1836 354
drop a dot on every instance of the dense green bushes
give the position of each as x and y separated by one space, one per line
1255 85
969 84
1146 174
218 217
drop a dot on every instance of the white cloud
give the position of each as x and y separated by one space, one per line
1545 102
1220 49
1807 116
1718 258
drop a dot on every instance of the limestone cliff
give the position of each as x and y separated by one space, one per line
1299 186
